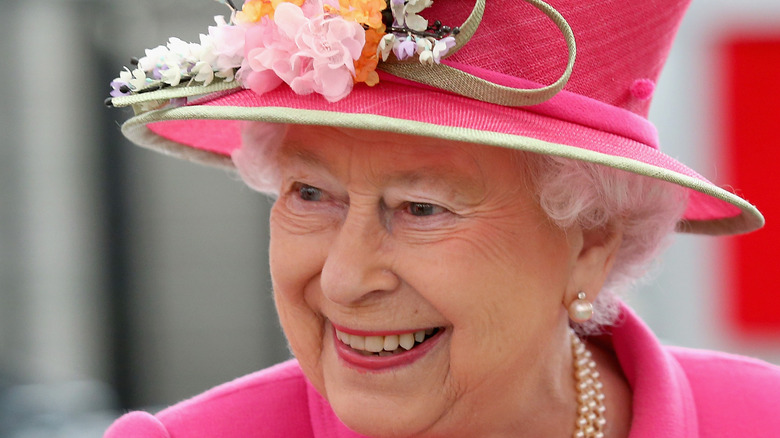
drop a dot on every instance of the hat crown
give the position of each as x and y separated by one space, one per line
621 46
500 88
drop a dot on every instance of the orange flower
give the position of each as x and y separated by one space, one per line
254 10
365 66
367 12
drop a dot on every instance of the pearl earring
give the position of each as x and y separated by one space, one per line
580 310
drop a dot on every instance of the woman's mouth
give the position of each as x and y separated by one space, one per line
387 345
375 351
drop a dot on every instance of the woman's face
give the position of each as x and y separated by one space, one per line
383 235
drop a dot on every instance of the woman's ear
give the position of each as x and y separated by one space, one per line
594 261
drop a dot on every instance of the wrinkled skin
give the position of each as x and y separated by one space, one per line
377 231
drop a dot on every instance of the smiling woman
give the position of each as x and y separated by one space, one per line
407 235
449 239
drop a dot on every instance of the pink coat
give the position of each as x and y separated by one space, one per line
677 393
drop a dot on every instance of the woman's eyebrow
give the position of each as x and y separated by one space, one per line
462 180
460 183
433 174
302 156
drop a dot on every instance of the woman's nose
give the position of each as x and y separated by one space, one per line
358 264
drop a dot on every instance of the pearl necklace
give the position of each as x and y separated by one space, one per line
590 399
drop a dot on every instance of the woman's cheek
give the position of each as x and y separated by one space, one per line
295 260
295 264
299 243
304 329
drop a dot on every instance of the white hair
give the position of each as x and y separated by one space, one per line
594 196
255 160
571 192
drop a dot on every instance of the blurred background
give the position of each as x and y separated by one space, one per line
130 280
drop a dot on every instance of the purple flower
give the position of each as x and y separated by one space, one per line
116 86
442 47
404 48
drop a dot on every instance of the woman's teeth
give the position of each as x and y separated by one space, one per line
384 345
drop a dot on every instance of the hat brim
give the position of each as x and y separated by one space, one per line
209 129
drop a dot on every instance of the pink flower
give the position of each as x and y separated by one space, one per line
267 53
310 51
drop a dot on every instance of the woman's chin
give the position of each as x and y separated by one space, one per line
380 418
400 401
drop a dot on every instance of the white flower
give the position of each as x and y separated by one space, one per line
397 7
406 13
424 50
154 58
427 58
207 49
414 21
423 45
203 72
386 45
125 76
137 79
171 75
180 48
218 55
418 5
227 75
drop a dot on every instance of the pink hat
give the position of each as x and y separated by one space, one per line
379 65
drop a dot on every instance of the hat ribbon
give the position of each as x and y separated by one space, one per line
456 81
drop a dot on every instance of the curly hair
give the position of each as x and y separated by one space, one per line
594 196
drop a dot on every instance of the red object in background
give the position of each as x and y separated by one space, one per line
751 140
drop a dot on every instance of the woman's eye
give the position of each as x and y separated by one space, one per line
424 209
309 193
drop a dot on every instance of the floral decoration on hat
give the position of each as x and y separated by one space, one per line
314 46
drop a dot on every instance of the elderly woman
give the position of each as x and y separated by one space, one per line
449 236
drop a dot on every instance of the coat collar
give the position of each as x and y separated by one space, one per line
663 403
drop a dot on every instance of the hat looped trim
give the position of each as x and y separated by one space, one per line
468 28
144 102
459 82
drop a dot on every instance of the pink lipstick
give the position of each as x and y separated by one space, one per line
373 358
